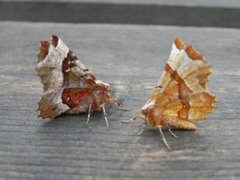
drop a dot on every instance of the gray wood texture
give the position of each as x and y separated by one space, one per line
131 59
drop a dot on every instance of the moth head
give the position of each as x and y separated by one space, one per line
147 111
104 86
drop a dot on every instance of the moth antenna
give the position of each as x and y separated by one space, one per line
142 128
130 120
163 138
89 113
134 118
174 135
105 116
121 107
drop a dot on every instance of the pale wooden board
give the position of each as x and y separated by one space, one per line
131 59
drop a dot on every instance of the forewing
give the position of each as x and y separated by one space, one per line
49 67
50 104
182 94
59 69
201 105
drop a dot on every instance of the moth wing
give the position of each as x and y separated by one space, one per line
178 46
168 84
49 67
50 104
58 69
183 93
201 105
67 84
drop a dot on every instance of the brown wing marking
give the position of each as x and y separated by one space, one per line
194 54
54 40
198 73
43 50
179 43
176 89
73 96
75 74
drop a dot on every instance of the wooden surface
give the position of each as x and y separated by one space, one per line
131 59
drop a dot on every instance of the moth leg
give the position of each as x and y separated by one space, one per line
118 104
130 120
163 138
142 128
89 113
174 135
105 116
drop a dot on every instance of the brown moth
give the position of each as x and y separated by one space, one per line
68 86
181 96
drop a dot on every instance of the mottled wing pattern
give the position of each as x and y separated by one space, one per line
182 94
61 72
189 76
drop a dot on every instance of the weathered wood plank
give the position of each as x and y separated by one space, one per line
131 59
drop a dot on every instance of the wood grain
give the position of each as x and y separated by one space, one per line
131 59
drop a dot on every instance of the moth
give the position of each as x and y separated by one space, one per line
182 95
68 86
